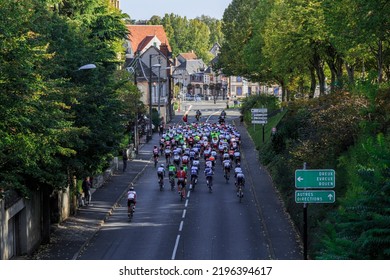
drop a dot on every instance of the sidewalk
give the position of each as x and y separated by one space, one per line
69 237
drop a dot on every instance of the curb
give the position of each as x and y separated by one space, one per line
109 213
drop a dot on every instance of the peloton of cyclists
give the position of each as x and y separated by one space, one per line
191 141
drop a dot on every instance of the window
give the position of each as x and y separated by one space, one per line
238 79
239 91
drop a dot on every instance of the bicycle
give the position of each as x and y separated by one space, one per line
130 211
194 180
240 191
161 183
172 182
182 189
155 161
209 184
227 175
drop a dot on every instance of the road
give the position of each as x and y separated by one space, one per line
204 226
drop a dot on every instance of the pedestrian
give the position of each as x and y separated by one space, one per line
87 189
124 158
185 118
161 129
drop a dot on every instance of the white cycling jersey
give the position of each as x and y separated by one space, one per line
237 170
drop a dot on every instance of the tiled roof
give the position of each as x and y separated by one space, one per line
142 34
189 56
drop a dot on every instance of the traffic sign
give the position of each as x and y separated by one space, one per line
322 196
259 110
315 178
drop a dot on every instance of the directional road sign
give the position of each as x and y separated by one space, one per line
323 196
315 178
259 110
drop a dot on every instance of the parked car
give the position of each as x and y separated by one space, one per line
189 97
198 97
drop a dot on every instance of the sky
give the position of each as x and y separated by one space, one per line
145 9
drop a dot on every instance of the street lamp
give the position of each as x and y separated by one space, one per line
150 94
159 86
87 66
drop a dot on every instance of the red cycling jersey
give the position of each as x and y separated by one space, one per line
181 174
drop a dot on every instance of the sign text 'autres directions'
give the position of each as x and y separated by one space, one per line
320 196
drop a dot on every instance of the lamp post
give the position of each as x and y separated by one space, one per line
158 90
150 98
150 94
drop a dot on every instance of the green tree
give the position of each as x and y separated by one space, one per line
360 229
237 28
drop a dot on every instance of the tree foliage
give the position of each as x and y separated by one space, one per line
56 121
186 35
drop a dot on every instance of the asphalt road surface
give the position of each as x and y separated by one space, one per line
203 226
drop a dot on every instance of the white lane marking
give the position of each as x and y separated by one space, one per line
175 248
184 214
181 225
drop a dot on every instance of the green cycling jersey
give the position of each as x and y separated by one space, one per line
172 168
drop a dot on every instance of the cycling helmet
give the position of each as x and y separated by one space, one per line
162 165
131 189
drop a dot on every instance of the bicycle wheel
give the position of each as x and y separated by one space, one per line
172 181
161 184
240 194
130 211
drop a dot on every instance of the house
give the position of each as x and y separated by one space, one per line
189 74
148 55
144 36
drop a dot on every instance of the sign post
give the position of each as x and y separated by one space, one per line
308 179
259 116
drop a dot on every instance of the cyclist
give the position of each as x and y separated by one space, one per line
227 166
208 163
172 173
181 176
161 172
208 172
222 117
198 114
168 154
194 174
237 156
240 180
185 159
131 198
237 170
176 158
212 159
155 152
181 181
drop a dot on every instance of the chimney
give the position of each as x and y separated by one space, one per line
164 49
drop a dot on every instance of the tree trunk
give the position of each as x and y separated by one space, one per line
313 82
319 68
351 73
380 61
335 63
